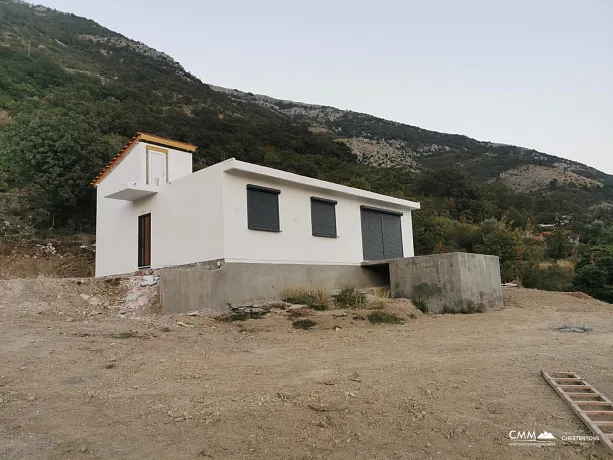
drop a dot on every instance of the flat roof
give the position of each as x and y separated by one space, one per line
234 166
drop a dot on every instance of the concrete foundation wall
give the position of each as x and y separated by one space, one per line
452 282
209 289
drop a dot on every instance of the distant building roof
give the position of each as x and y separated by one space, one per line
142 137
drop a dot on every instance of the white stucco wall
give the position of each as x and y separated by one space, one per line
296 243
179 164
186 217
203 216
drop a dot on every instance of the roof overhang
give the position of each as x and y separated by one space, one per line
133 192
142 137
242 168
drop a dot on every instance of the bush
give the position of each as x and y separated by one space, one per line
305 324
420 304
350 297
594 273
464 309
316 299
379 317
551 278
241 316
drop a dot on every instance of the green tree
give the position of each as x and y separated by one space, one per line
594 273
54 158
558 245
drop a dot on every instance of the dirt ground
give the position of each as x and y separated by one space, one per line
82 381
62 256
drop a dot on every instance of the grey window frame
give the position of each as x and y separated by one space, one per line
325 201
275 227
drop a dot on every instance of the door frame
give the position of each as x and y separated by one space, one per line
154 148
144 241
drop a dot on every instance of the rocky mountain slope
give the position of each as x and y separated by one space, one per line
385 143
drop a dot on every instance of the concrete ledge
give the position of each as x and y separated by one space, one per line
212 286
455 282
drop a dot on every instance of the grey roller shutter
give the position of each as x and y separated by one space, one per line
392 236
263 208
381 234
372 238
323 217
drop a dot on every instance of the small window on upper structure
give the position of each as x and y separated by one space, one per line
323 217
263 208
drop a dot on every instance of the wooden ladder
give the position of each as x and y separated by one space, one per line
592 407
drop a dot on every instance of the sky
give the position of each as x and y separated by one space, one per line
534 73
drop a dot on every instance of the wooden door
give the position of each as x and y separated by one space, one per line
144 241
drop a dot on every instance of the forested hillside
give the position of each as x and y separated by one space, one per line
72 93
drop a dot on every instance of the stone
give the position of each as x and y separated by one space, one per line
150 280
133 296
85 296
94 301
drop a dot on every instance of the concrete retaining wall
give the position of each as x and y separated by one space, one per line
452 282
209 288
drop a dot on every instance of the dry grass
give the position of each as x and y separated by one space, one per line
382 292
566 264
316 298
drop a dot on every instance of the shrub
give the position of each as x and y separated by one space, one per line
350 297
241 316
552 278
305 324
594 273
464 309
317 299
377 304
420 304
379 317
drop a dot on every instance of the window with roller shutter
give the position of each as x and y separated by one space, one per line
263 208
381 234
323 217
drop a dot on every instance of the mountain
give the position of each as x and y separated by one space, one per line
73 92
385 143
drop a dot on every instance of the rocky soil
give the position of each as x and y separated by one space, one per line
113 378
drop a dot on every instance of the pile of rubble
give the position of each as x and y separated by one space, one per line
140 299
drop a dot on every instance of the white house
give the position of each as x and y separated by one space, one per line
154 212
